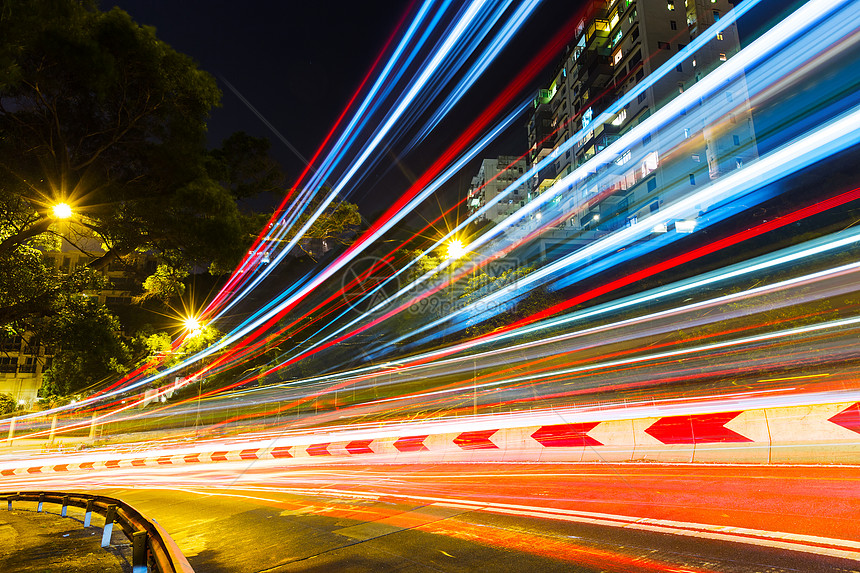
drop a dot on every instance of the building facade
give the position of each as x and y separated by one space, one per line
618 44
494 177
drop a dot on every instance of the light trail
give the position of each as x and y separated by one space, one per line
783 340
768 44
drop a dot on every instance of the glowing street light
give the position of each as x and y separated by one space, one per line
456 249
192 325
62 211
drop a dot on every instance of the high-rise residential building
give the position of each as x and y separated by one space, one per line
619 43
493 178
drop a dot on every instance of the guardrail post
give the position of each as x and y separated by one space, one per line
11 432
138 552
110 515
41 501
9 502
93 427
88 515
53 430
65 506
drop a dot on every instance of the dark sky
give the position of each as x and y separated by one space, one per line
298 63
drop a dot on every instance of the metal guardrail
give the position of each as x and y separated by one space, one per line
152 548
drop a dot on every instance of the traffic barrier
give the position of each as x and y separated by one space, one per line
820 434
152 548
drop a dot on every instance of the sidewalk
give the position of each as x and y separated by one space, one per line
33 542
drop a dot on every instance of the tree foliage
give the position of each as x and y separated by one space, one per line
88 334
7 404
97 112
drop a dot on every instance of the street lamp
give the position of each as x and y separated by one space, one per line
192 325
62 211
456 249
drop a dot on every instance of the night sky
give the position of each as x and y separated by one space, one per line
298 64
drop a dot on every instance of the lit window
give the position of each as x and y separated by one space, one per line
617 57
680 87
722 57
694 63
720 36
650 163
686 132
625 157
671 6
619 119
696 158
613 20
659 228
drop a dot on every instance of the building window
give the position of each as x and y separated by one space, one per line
671 6
642 97
680 87
736 140
720 36
646 140
652 184
692 179
696 158
673 24
686 132
650 163
694 62
679 68
716 15
729 96
722 57
663 46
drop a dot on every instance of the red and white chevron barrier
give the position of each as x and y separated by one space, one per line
814 434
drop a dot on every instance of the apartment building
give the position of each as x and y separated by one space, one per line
618 44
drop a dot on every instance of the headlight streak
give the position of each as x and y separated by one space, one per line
711 32
272 311
834 137
423 362
767 44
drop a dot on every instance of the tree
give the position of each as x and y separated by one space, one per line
97 112
337 225
7 404
92 349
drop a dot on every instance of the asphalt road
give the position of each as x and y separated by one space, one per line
496 517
